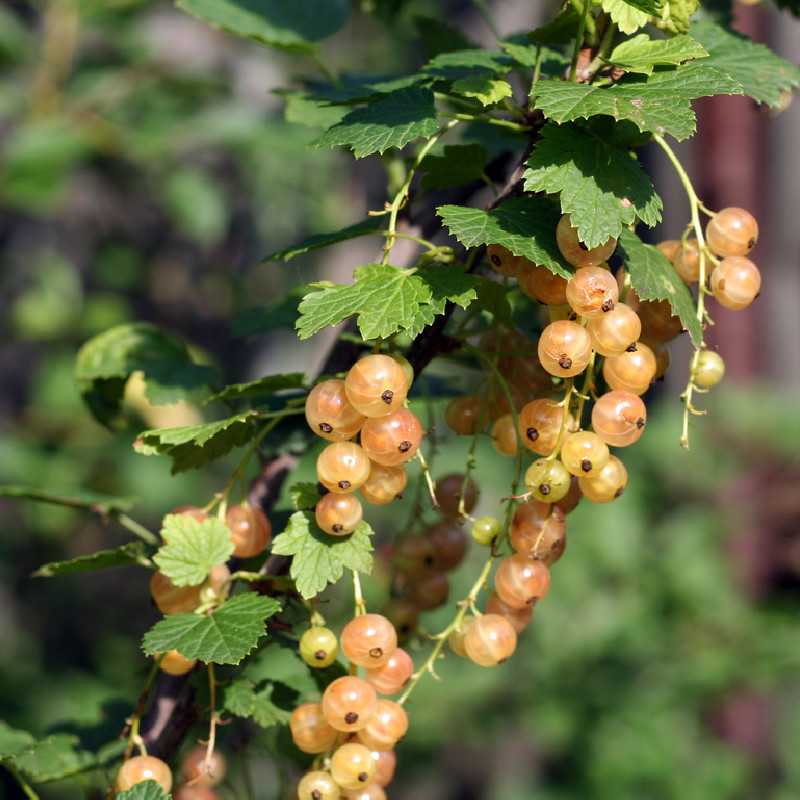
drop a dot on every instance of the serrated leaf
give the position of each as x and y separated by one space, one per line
265 712
524 225
641 53
131 553
484 89
391 120
91 501
280 664
660 103
627 17
192 547
225 636
193 446
243 700
13 741
240 698
654 278
51 758
458 164
147 790
762 74
288 26
366 227
448 284
263 387
458 64
303 109
600 185
304 496
675 15
319 559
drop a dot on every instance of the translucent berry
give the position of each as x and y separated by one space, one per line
338 514
736 282
348 702
408 369
540 425
384 484
404 615
330 414
575 251
386 762
393 675
414 555
619 418
372 792
504 435
548 480
251 530
171 599
352 766
318 785
343 467
541 284
658 321
392 439
310 730
195 770
386 726
608 485
633 371
449 544
732 232
195 792
369 640
376 385
584 453
518 617
173 663
615 332
592 292
319 646
448 493
490 640
193 511
570 501
463 415
564 348
502 260
456 638
430 591
670 248
143 768
486 529
543 539
520 580
709 369
687 261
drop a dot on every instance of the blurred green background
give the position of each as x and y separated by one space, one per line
145 168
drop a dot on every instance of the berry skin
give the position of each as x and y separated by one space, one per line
384 484
520 581
415 555
193 511
430 591
548 480
319 646
392 439
540 425
376 385
195 792
386 762
502 260
342 467
541 284
393 675
658 321
173 663
143 768
613 333
592 292
687 261
456 638
372 792
608 485
485 530
584 453
572 498
386 726
448 494
732 232
736 282
193 767
310 730
463 415
519 618
251 530
352 766
404 615
669 248
663 357
330 414
369 640
348 703
171 599
619 418
564 348
318 785
537 534
504 435
575 252
408 369
490 640
338 514
633 371
709 370
449 544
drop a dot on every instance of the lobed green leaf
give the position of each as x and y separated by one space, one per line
642 54
192 547
262 387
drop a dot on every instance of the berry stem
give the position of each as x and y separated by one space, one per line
24 785
213 719
426 472
537 71
132 723
566 405
135 528
358 596
588 386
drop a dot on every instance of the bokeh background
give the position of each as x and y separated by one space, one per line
146 166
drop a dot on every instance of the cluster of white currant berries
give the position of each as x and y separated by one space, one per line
200 774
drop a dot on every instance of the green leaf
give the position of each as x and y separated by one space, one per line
194 446
265 712
131 553
675 15
641 53
660 103
601 186
48 759
448 284
192 547
240 698
391 120
654 278
13 741
243 700
286 25
628 18
225 636
262 387
303 109
458 164
305 496
493 297
467 63
524 225
319 559
487 90
367 227
762 74
102 503
280 665
147 790
562 28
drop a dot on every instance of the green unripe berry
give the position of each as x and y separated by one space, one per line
709 370
485 530
548 480
319 647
